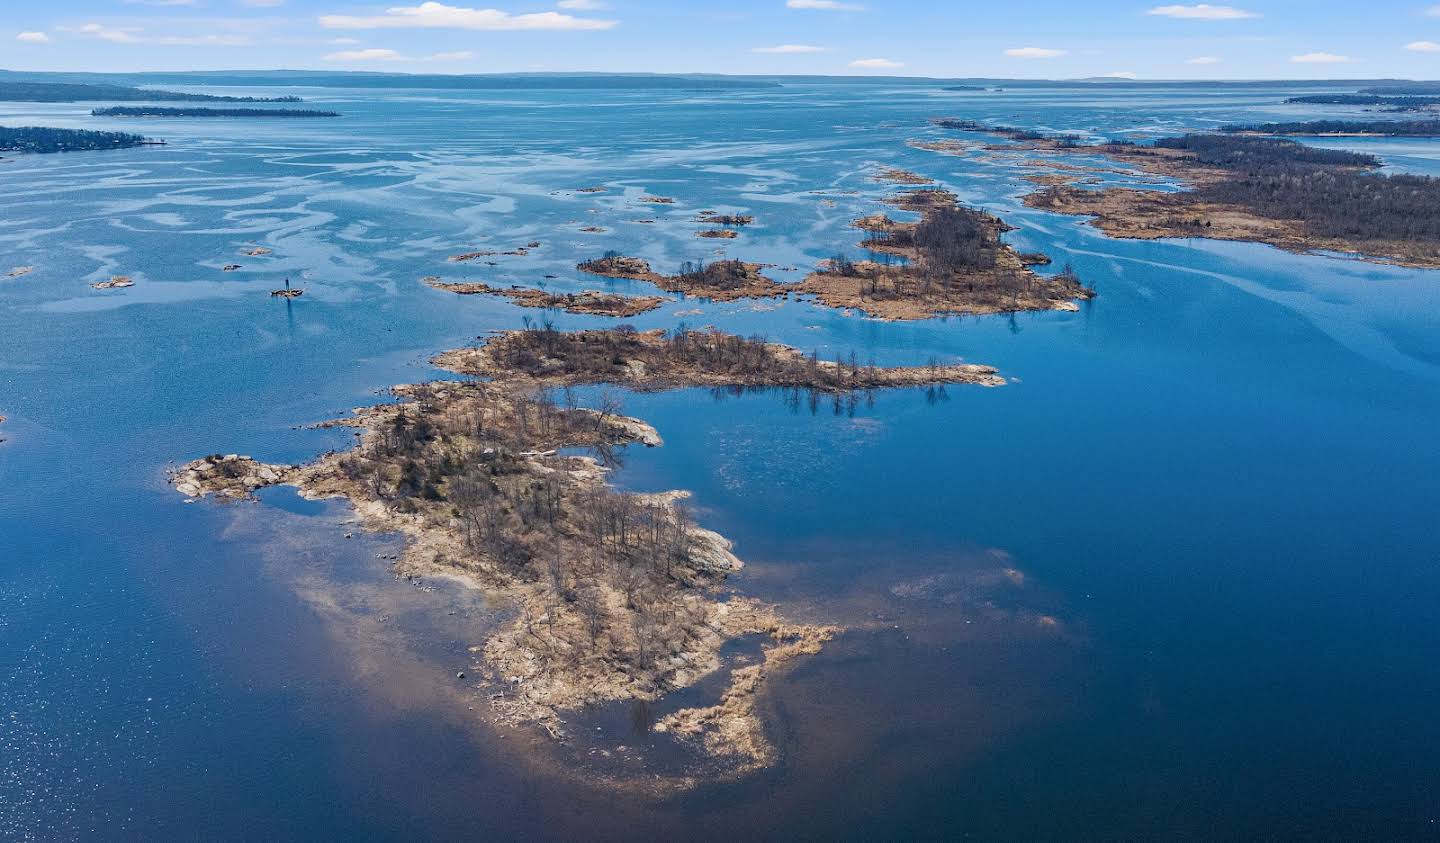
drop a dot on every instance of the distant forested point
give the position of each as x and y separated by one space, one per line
1388 128
964 88
142 111
1264 156
1330 190
76 92
1365 99
38 139
1406 89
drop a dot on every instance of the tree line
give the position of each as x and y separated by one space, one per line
159 111
78 92
1389 128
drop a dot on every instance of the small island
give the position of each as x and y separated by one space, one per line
953 261
159 111
589 302
721 281
44 140
1257 189
115 282
617 594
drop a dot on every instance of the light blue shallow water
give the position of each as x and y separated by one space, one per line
1218 480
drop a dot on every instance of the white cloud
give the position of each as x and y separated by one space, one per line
433 15
1034 53
1319 58
1423 47
825 5
137 35
583 5
789 49
1204 60
372 54
262 4
1203 11
877 64
1433 11
342 42
33 38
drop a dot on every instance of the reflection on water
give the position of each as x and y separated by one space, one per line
1172 576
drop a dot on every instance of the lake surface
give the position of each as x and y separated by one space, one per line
1181 578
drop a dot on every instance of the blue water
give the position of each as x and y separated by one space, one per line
1179 578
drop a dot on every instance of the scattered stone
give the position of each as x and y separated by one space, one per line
116 282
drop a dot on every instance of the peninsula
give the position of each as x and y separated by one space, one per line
1394 103
1343 128
83 92
41 139
1258 189
616 594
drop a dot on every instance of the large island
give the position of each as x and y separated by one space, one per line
617 595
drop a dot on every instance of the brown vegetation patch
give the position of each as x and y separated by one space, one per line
894 175
718 234
944 147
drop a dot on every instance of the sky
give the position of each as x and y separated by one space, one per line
1252 39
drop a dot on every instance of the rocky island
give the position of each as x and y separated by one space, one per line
952 261
591 302
720 281
616 596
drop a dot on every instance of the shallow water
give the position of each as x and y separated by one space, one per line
1218 481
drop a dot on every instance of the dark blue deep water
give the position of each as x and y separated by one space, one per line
1181 578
